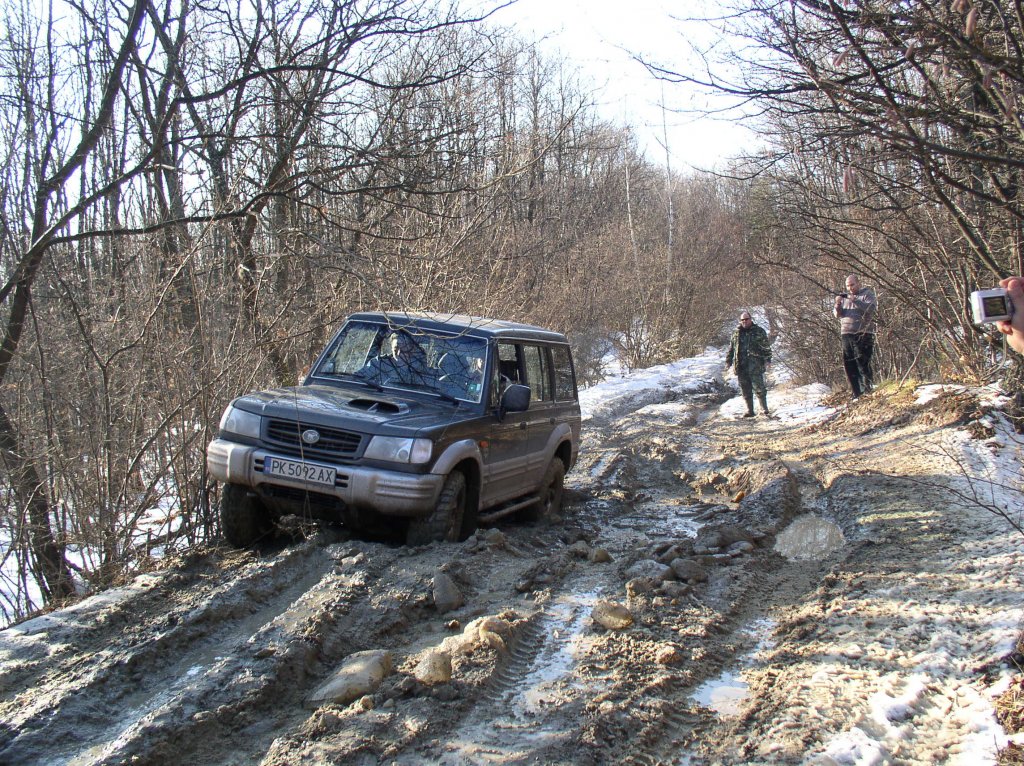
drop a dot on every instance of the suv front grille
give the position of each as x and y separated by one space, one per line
334 444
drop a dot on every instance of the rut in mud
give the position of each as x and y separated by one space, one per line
772 580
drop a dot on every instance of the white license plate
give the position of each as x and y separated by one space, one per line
291 469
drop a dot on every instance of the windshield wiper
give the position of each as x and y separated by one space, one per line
358 377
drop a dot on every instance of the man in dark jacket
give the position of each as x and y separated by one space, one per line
751 352
855 309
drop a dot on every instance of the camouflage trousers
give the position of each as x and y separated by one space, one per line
751 380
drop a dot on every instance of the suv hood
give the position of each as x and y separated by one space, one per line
352 407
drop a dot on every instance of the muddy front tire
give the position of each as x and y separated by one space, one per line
550 502
244 520
445 521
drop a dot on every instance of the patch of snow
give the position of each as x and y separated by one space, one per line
654 385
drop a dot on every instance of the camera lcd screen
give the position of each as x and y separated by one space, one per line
995 305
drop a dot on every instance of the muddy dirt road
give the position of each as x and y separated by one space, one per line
716 591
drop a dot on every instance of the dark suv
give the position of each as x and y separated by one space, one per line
433 422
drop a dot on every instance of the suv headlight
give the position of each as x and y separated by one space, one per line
397 449
236 421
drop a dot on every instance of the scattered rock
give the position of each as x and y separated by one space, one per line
674 589
360 674
689 570
447 595
739 496
352 562
650 568
579 549
495 538
446 693
738 549
493 632
435 667
638 586
730 533
600 556
669 554
611 615
366 702
710 544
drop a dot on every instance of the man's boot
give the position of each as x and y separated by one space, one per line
763 399
749 399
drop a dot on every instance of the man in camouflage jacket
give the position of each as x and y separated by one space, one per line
751 352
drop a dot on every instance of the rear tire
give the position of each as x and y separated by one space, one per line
445 521
550 503
244 519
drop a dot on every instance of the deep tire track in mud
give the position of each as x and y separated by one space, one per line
161 637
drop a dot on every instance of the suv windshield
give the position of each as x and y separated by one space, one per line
409 358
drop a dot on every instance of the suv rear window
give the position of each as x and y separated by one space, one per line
537 373
565 386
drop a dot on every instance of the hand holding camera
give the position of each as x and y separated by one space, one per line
992 305
1004 307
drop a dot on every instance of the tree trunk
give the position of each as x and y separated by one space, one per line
50 568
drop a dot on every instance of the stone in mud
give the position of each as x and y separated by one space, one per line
366 702
710 544
495 538
600 556
488 631
689 571
638 586
672 552
611 615
445 693
713 540
360 674
731 533
673 589
738 549
579 549
435 667
493 632
447 595
650 568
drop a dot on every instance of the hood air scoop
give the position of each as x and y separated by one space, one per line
376 405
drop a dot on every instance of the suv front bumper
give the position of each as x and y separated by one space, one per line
389 492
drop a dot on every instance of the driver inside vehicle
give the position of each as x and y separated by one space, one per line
462 374
401 361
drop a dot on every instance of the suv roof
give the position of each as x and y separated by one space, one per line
481 326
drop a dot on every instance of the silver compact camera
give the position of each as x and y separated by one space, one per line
993 305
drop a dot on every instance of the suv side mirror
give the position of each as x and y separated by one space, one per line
515 398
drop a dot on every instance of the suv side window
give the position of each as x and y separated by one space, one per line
537 373
506 371
565 381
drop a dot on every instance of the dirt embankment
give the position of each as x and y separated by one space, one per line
658 621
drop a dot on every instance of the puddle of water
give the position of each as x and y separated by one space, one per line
809 538
660 520
724 694
727 693
555 663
